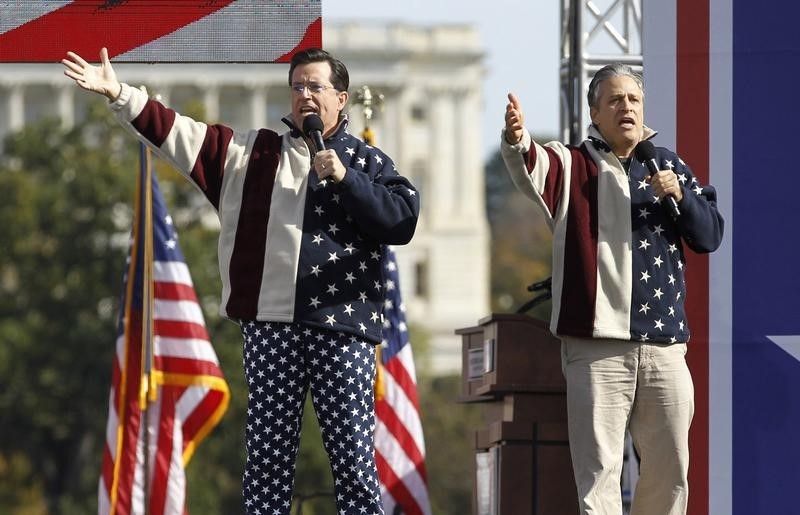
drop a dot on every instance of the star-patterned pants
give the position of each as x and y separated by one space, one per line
281 362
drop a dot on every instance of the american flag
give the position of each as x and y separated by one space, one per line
167 388
399 443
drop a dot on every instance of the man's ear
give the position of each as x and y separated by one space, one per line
343 97
593 114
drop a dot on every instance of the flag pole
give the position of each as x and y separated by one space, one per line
148 392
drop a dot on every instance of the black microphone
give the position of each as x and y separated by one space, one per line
312 127
645 152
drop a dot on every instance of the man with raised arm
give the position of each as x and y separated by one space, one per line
619 290
300 256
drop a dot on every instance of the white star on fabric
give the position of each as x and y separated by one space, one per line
644 213
642 184
318 239
335 198
350 151
316 270
644 337
374 316
672 311
680 324
332 289
348 308
669 164
673 248
643 244
362 296
698 190
362 327
330 319
378 159
411 192
658 230
361 162
391 266
349 277
168 220
645 276
362 265
333 257
682 178
671 279
170 244
657 261
375 255
333 229
318 210
349 248
657 293
659 324
645 308
389 285
315 302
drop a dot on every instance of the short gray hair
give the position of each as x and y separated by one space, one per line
606 72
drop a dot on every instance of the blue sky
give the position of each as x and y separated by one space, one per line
521 41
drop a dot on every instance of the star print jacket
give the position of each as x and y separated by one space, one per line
291 248
618 257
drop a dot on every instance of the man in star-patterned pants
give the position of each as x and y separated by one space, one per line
281 362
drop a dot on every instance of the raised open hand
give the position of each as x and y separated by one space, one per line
100 79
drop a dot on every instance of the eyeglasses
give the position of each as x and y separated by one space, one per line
312 87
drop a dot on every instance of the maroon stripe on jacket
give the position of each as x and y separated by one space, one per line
154 122
554 182
210 165
247 259
579 284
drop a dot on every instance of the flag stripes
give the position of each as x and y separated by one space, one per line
150 31
399 441
167 390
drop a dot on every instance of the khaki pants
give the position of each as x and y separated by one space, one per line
647 388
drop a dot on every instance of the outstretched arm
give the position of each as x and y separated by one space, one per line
100 79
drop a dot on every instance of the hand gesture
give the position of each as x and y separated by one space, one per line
515 120
100 79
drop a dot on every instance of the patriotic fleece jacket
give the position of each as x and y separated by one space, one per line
291 248
618 257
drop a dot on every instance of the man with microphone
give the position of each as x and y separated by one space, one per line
303 216
621 212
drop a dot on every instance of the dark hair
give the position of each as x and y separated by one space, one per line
606 72
339 76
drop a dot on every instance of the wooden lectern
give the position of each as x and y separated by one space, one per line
511 364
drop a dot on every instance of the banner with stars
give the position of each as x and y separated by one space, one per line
700 58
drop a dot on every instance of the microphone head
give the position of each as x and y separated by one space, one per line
645 151
312 123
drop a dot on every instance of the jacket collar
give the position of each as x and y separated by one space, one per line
593 135
296 132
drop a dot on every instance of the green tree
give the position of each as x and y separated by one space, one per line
64 201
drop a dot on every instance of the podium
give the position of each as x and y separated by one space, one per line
511 366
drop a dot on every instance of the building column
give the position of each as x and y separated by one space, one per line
211 102
258 105
66 105
469 194
443 156
16 107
